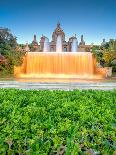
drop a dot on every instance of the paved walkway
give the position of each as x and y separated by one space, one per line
58 86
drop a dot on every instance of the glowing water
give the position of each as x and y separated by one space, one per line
59 44
53 64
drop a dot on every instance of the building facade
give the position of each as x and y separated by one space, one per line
66 45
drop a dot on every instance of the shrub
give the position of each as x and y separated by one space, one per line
57 122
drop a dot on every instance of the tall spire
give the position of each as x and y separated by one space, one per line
35 38
82 41
34 42
82 38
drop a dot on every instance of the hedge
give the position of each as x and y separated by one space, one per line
57 122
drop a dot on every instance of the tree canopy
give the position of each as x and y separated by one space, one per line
8 48
106 54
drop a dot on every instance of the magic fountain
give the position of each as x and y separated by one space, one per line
57 64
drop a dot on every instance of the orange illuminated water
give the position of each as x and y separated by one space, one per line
56 65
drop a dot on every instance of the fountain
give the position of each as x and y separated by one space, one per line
59 44
46 45
57 64
74 45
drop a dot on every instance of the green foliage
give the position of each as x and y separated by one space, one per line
113 63
97 53
7 38
57 122
112 45
109 52
32 48
106 54
8 48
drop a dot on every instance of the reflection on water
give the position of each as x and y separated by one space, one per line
96 79
60 80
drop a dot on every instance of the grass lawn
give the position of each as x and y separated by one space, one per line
57 122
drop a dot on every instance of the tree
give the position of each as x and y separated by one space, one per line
97 53
109 54
8 48
7 38
106 54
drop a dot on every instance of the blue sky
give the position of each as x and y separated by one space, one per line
95 19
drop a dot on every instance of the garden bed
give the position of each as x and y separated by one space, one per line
57 122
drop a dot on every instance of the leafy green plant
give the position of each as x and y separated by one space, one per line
9 49
57 122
